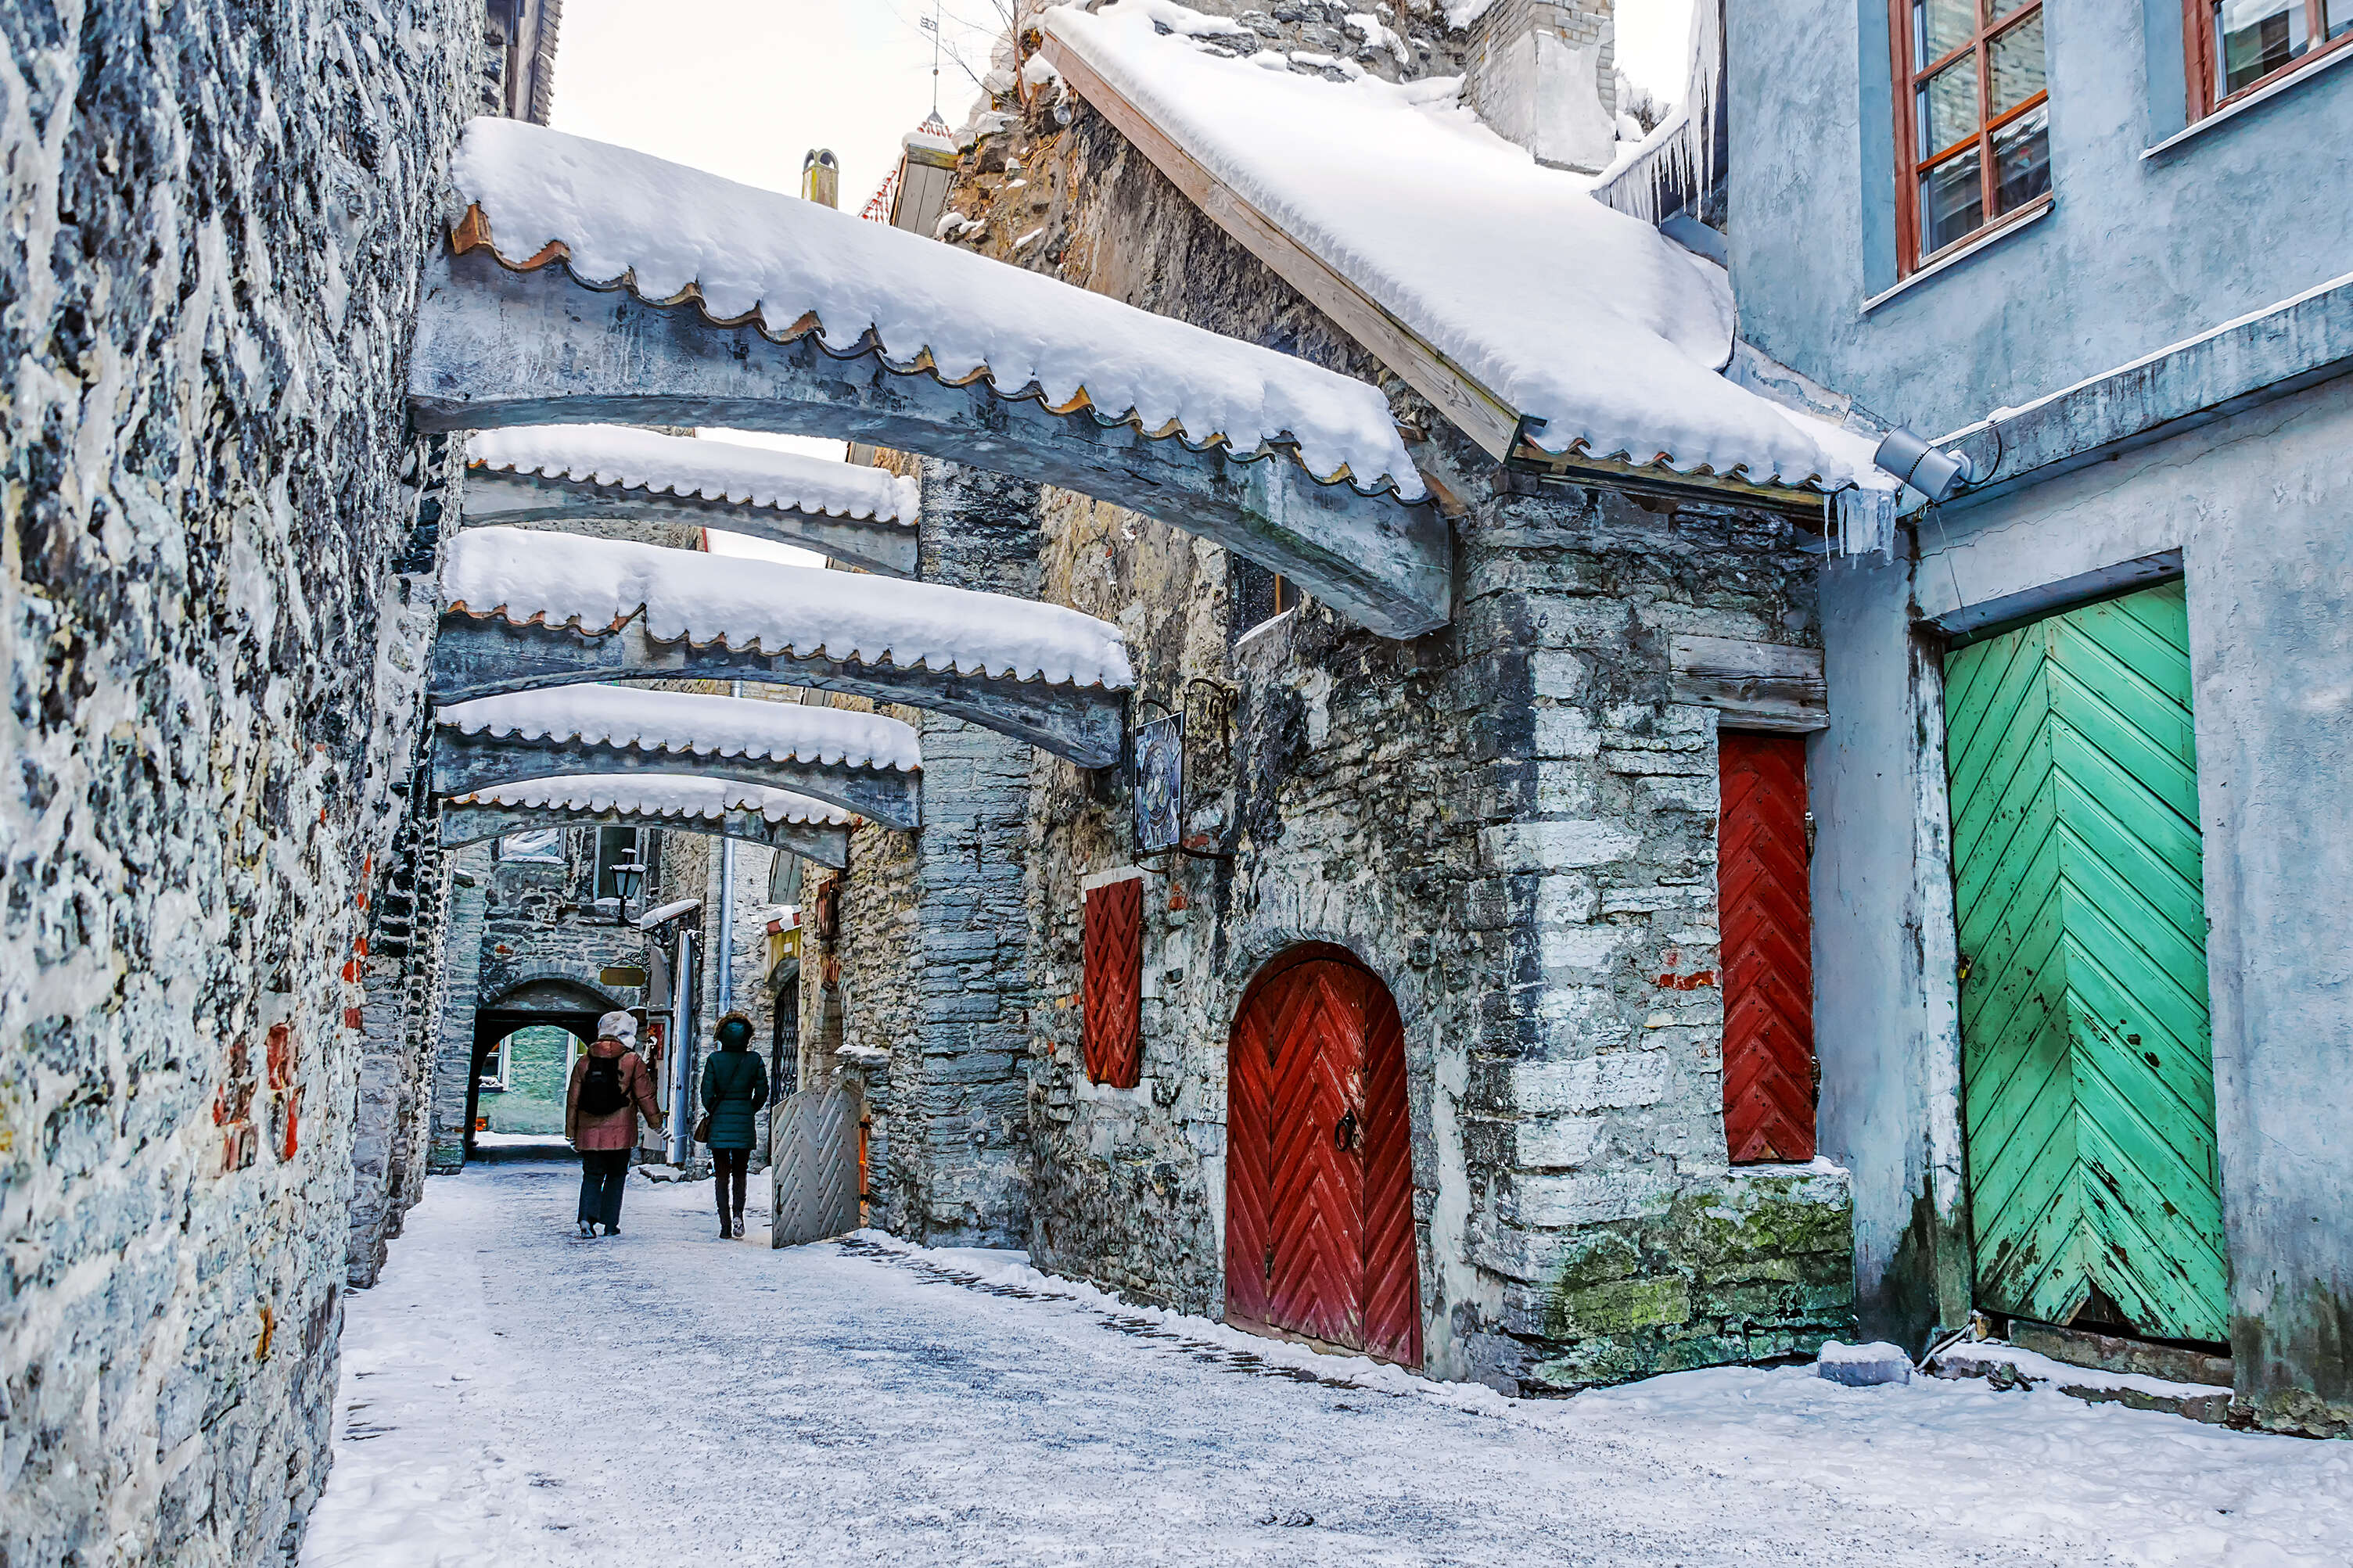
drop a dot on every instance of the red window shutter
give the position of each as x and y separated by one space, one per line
1111 993
1766 915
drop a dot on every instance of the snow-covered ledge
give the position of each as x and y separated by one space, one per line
805 320
604 473
523 609
777 819
863 762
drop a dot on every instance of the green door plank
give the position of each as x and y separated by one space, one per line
2087 1067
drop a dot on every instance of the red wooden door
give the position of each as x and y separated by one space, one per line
1319 1176
1766 915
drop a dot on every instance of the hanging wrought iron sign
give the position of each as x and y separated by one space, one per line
1159 783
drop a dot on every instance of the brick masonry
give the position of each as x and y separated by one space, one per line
1508 821
218 220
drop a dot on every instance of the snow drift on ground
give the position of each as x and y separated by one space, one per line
1568 311
658 794
597 585
666 229
704 724
513 1396
2145 1486
648 460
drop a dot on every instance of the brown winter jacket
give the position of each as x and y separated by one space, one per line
617 1129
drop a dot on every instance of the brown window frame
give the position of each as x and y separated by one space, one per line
2205 67
1910 160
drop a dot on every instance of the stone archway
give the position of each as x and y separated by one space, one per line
549 1000
1319 1168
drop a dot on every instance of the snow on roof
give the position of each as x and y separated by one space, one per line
705 725
1565 310
690 466
654 917
655 794
527 576
673 233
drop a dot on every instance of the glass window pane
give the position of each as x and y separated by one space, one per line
1952 202
1949 105
2339 17
2255 38
2000 8
1940 27
2022 160
2014 65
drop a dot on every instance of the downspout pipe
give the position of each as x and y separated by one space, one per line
682 1050
726 936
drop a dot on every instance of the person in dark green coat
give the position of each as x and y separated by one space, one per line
735 1087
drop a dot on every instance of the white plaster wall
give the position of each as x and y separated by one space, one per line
2260 509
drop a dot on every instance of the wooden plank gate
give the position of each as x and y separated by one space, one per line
815 1144
2087 1069
1319 1180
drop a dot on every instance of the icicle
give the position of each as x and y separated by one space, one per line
1865 520
1675 156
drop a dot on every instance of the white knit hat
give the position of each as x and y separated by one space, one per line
618 1026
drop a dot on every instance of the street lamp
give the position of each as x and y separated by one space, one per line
627 877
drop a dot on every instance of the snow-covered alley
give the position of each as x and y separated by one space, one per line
512 1394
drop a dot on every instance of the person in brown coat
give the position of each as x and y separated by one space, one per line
611 1087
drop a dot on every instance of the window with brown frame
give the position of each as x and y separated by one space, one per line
2237 47
1973 119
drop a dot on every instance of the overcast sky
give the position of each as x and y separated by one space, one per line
745 87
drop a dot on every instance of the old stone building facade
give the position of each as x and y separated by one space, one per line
1511 823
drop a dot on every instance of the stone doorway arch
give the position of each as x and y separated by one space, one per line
1320 1239
554 1001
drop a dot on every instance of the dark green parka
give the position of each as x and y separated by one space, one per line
735 1087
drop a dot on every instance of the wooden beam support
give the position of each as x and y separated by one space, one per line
463 764
1755 685
829 847
484 657
497 348
494 497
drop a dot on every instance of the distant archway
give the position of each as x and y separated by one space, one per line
547 1000
1319 1163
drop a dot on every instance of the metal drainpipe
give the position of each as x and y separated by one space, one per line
682 1018
726 944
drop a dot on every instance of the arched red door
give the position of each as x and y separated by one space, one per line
1319 1168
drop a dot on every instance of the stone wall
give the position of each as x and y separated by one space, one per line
218 221
928 982
1508 822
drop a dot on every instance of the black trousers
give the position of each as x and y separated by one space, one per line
727 1169
603 1173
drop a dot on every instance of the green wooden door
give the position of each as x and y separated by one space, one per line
2087 1074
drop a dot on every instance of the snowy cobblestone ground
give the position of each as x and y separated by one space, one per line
514 1395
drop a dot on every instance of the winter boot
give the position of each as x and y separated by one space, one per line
588 1230
739 1228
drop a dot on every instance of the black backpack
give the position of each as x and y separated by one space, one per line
601 1093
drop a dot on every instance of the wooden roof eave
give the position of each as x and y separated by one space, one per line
485 656
1799 503
467 764
827 843
494 497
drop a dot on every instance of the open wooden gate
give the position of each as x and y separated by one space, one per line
2087 1069
1319 1174
814 1144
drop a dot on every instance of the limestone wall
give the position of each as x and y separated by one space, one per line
217 222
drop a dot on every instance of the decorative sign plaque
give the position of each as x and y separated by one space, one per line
1159 783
